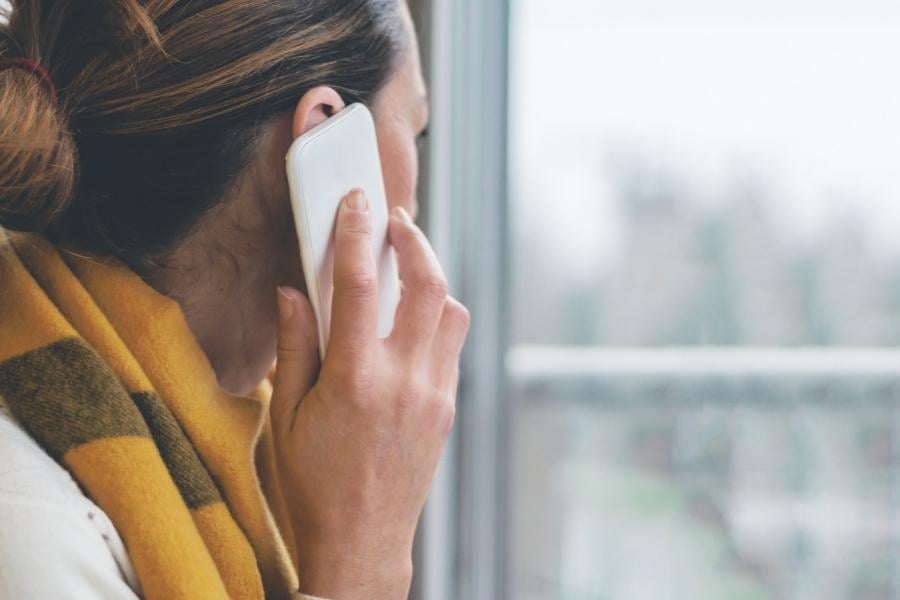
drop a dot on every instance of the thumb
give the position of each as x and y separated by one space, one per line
297 366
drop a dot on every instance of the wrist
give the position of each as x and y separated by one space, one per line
328 571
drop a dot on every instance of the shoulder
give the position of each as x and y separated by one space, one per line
54 542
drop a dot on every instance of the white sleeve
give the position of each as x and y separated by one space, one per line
47 551
54 542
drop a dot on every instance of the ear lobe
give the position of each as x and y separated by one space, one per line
316 106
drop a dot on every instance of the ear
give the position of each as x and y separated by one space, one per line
316 105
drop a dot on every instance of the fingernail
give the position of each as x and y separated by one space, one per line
356 200
285 304
400 213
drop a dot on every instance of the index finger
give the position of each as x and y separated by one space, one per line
354 312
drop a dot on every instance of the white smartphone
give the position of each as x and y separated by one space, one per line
323 165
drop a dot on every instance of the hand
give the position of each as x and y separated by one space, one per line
359 445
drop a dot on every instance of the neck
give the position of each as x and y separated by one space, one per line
228 308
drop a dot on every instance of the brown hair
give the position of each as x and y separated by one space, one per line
158 105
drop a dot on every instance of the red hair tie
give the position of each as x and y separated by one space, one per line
34 67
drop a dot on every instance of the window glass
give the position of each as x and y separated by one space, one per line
703 172
705 271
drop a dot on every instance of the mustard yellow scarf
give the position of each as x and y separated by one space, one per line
104 373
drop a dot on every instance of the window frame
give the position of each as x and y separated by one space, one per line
461 543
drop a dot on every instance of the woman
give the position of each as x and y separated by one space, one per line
143 190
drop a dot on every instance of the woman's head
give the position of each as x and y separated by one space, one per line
160 103
165 144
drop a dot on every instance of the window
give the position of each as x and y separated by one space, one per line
682 255
705 285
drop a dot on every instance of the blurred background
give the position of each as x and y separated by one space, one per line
677 225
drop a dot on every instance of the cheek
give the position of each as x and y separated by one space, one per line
400 165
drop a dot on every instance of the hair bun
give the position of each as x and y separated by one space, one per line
37 153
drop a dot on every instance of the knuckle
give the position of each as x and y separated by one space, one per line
408 399
418 393
459 314
360 285
353 384
434 287
288 352
430 405
419 388
410 242
408 232
446 416
356 224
